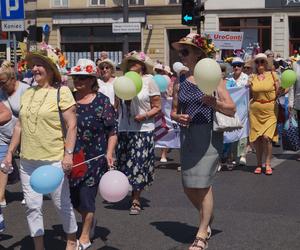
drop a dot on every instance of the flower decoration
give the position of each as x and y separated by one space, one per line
77 68
89 68
205 43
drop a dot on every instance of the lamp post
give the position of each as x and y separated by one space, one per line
125 20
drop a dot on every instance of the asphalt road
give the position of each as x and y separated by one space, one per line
251 212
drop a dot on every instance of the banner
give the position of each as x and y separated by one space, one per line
227 40
167 132
240 96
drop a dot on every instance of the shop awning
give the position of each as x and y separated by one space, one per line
97 18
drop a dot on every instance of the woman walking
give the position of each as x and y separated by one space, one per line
200 145
135 152
96 138
263 112
39 131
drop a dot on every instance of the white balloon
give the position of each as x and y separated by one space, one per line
207 74
125 88
178 67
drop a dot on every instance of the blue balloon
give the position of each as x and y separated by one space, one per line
161 82
46 179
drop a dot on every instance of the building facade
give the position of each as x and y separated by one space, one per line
84 28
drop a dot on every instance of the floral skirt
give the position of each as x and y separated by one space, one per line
135 158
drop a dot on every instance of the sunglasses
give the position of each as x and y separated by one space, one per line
260 61
4 82
239 65
104 67
184 52
81 77
247 67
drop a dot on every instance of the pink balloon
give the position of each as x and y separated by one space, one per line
114 186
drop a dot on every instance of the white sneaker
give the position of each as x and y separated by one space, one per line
243 161
3 204
23 202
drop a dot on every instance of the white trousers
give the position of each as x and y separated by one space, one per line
34 201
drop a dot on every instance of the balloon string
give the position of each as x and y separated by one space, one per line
88 160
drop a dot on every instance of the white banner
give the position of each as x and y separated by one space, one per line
240 96
227 40
167 132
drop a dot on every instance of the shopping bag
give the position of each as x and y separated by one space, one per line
290 135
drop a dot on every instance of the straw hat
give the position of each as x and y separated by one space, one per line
49 58
261 56
140 57
201 42
108 61
249 64
84 67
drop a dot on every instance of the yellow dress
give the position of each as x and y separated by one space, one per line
263 108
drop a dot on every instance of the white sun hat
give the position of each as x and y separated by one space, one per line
84 67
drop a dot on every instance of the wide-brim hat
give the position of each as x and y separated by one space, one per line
261 56
108 61
249 64
237 60
47 58
84 67
162 67
140 57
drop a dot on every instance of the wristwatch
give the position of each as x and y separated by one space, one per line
69 151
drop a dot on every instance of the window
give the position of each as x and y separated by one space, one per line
60 3
97 2
175 1
136 2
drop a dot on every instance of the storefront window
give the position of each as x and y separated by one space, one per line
256 30
294 23
88 42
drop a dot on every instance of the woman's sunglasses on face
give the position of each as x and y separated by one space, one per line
239 65
247 68
104 67
184 52
81 77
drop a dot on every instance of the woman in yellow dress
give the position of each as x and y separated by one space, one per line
263 119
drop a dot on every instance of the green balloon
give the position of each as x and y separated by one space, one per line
288 78
137 79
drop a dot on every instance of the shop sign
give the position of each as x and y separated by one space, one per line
282 3
126 27
227 40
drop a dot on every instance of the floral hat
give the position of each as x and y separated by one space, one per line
139 57
160 66
49 58
202 42
84 67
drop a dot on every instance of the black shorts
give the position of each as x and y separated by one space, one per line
83 198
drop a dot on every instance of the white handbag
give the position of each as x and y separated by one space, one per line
224 123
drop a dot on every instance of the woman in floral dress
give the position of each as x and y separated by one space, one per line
96 137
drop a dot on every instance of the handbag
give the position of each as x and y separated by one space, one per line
224 123
290 135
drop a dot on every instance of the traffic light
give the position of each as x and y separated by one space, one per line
35 33
198 12
187 12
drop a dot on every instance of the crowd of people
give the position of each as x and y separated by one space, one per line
52 124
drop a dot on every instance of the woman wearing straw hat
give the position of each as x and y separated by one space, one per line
106 81
200 145
96 138
135 152
39 130
263 119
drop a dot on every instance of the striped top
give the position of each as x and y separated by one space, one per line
189 102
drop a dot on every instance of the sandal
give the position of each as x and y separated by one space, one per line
199 244
135 209
258 170
269 170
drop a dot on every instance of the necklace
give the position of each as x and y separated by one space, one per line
32 111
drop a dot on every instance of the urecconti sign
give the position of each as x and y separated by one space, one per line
126 28
13 25
227 40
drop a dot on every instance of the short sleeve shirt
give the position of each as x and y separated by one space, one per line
139 105
41 137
